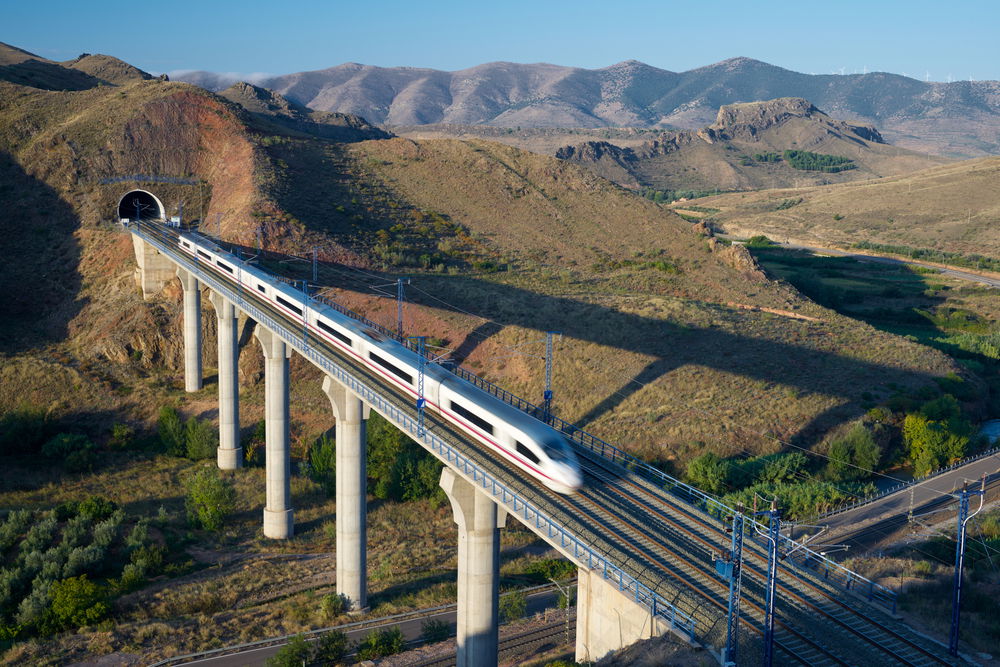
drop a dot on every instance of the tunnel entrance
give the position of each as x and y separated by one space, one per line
140 205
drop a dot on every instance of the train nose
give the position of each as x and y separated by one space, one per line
572 477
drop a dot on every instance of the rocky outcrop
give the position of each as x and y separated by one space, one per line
268 107
747 121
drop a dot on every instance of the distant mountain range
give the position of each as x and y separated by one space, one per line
744 150
959 119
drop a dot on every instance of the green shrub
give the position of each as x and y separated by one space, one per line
210 499
13 527
513 606
24 430
550 569
399 468
74 451
96 508
380 643
434 631
201 439
293 654
708 472
332 605
122 436
331 648
851 456
933 443
76 602
170 430
323 463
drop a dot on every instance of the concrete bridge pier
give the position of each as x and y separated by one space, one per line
192 330
479 521
153 269
230 454
352 505
278 518
608 619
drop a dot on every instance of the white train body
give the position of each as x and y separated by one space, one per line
532 446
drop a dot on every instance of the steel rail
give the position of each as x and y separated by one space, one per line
526 511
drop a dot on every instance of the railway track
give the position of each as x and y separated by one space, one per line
798 592
550 634
668 546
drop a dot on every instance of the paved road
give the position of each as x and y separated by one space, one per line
537 602
864 527
955 273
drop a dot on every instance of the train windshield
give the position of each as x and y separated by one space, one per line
556 449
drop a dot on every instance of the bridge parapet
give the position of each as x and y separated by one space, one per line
527 512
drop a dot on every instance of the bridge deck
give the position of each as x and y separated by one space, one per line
664 543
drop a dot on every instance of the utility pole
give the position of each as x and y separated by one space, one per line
305 318
399 305
547 396
421 364
566 592
315 265
963 518
731 568
772 535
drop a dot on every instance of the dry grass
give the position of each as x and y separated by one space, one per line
952 207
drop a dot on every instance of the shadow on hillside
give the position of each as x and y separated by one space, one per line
805 369
39 261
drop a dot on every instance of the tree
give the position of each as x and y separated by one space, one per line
708 472
76 602
853 454
170 429
201 439
210 498
933 443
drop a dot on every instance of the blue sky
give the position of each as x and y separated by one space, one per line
955 39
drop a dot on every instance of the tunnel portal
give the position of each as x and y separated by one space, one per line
140 205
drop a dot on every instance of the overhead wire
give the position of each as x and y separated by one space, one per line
632 380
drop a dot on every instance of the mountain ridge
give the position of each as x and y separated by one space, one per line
743 150
960 119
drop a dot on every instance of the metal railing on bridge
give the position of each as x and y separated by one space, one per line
512 502
799 554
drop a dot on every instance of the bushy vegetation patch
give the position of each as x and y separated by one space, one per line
808 161
59 568
932 255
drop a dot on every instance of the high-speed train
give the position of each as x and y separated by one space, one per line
532 446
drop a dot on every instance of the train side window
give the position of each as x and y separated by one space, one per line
526 453
467 414
204 254
333 332
391 367
224 266
289 305
260 288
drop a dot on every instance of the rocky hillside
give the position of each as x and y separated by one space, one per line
742 150
656 317
952 119
270 108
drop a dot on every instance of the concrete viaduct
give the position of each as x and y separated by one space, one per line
640 539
